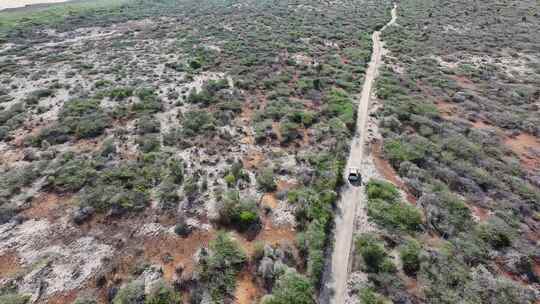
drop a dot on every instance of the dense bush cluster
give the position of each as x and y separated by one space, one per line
241 213
385 208
134 292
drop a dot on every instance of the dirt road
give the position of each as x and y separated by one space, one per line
337 274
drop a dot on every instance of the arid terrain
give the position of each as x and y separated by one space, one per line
19 3
182 151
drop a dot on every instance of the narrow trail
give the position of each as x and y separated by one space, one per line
337 274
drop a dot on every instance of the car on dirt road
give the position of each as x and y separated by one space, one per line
354 177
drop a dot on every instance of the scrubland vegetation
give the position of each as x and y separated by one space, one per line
459 92
192 151
145 127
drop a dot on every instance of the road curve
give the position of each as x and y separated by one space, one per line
337 273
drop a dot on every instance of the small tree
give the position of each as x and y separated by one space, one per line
410 257
266 180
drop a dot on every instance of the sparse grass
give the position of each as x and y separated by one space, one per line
56 14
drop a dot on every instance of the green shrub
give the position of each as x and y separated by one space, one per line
446 213
445 275
175 170
168 198
37 95
373 254
14 109
148 143
291 287
14 299
219 269
85 300
230 180
239 213
108 147
266 180
204 97
131 293
307 118
4 131
497 233
124 187
289 131
368 296
149 102
340 105
82 118
385 209
163 294
120 93
182 228
147 124
410 257
400 215
378 189
197 121
398 151
316 239
73 174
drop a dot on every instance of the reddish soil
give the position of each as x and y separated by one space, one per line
480 124
253 159
269 200
446 109
533 236
536 266
10 157
512 276
432 240
524 146
47 205
310 104
246 116
277 131
64 298
171 251
263 101
269 235
247 112
305 137
384 167
29 130
482 214
464 82
247 290
412 286
87 145
9 264
283 185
